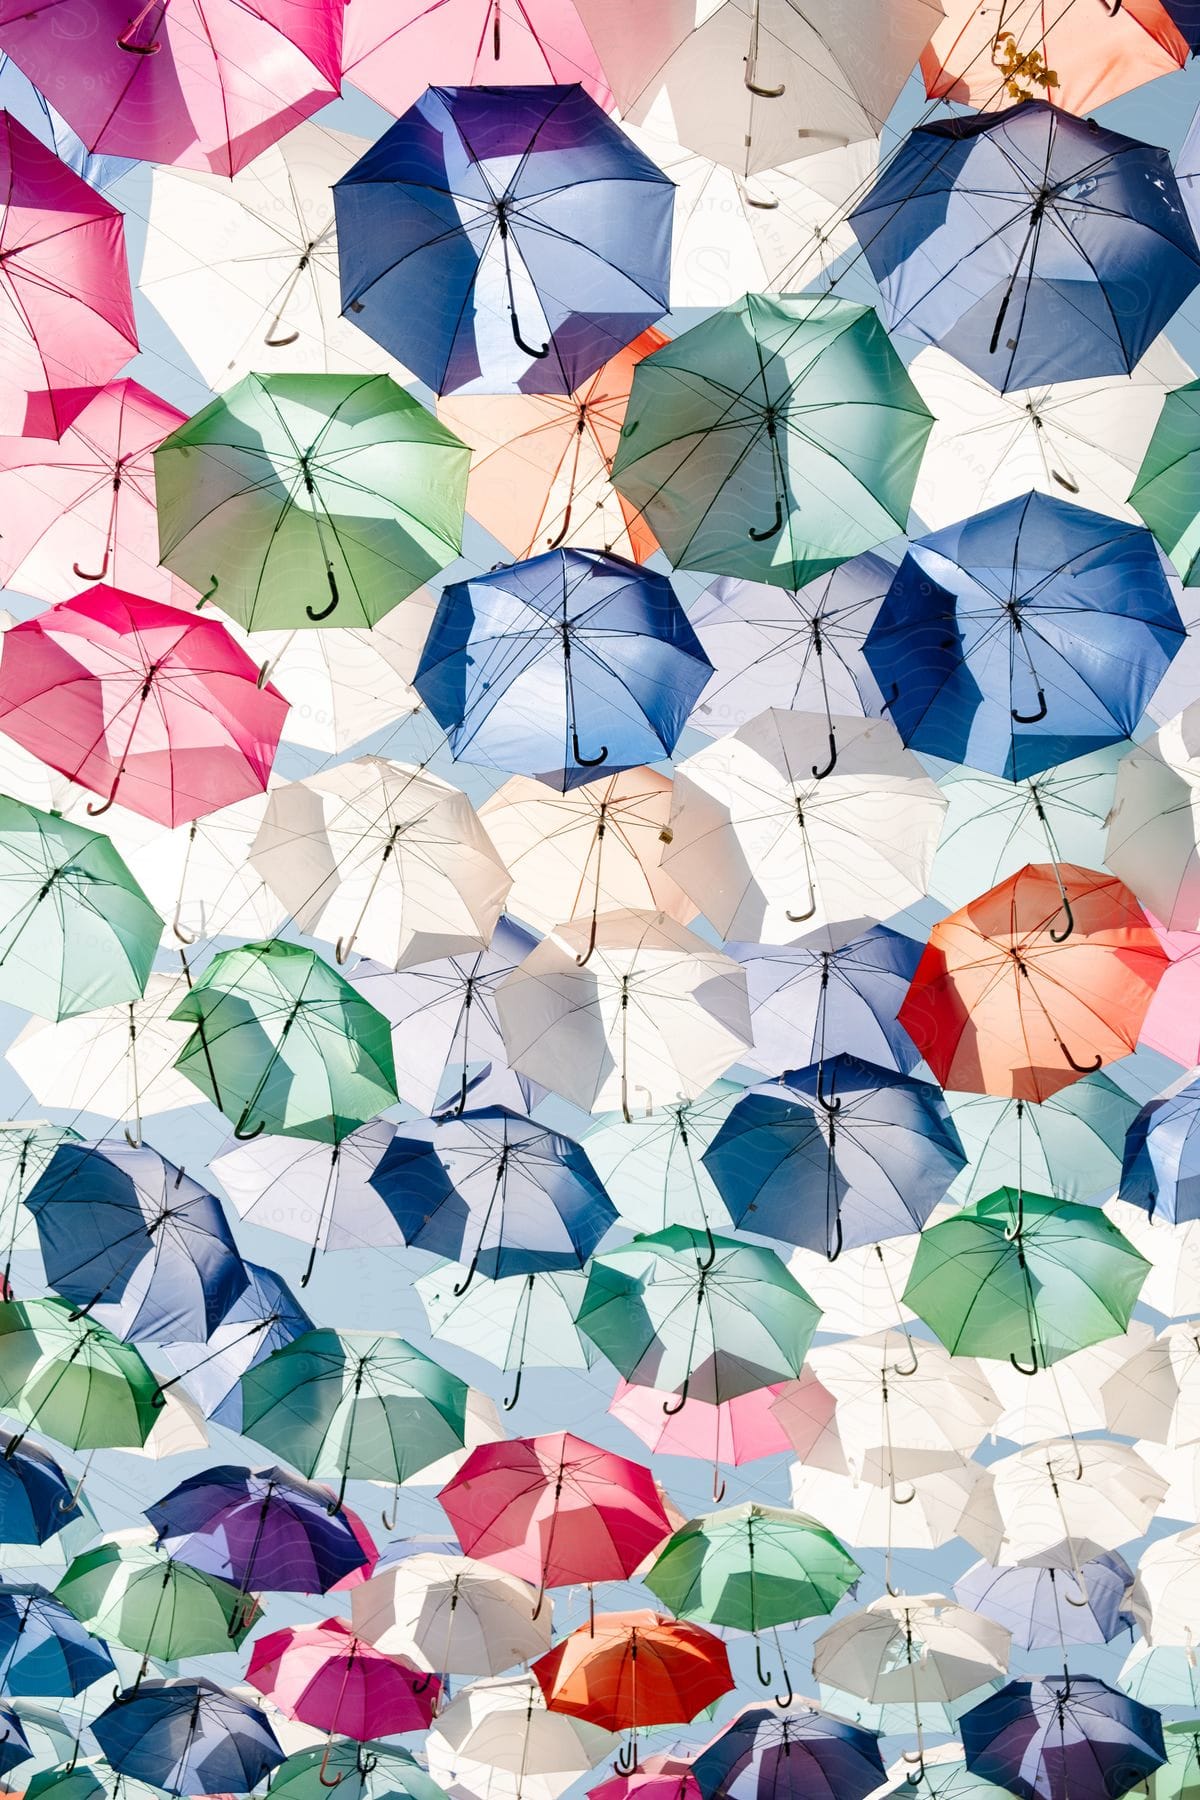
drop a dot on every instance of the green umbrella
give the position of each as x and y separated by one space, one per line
1024 1276
1179 1777
87 1781
363 1403
1167 489
284 1044
775 440
697 1314
127 1590
77 931
367 1771
293 500
72 1379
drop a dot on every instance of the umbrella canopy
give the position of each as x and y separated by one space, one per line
504 207
1165 493
1179 1777
1041 980
662 1777
911 1647
793 412
562 665
809 1002
320 1081
326 1676
1043 1605
913 1499
1151 1393
43 1648
765 1751
452 1613
1030 245
653 1164
1024 636
1158 1173
1155 820
1044 1739
1024 1278
893 1391
838 1153
128 1589
499 1735
751 1567
1090 1488
71 1379
345 685
264 1317
518 1322
26 1147
735 1431
797 824
199 876
188 1737
1070 1145
634 1669
36 1499
367 1771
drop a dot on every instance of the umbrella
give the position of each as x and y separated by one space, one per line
1163 1677
78 931
199 876
209 89
35 111
188 1737
65 297
541 462
778 438
911 1647
893 1391
1071 1734
354 1403
629 1670
555 1510
295 497
799 650
662 1777
1028 1598
766 1751
1168 1580
797 824
1067 1398
86 502
26 1147
1030 245
384 857
43 1648
1024 636
368 1771
653 1163
1020 1276
319 1082
125 1228
130 697
14 1745
644 1015
913 1500
326 1676
1152 827
264 1317
562 665
1157 1173
499 1736
841 1152
36 1499
345 685
517 1322
71 1379
1082 1490
705 1317
1071 1145
733 1431
596 848
125 1588
860 1292
1179 1777
1151 1394
452 1613
1039 981
809 1002
1172 1023
495 1190
1165 493
469 234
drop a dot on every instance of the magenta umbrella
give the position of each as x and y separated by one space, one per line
325 1676
204 84
143 701
66 311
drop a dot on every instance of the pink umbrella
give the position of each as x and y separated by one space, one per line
555 1510
661 1777
204 84
66 312
82 509
325 1676
1172 1023
395 49
126 694
734 1431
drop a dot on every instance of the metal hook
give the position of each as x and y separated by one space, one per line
1031 718
776 526
316 614
84 575
1060 937
831 765
587 762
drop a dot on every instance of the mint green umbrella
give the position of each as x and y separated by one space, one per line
87 1781
284 1044
127 1590
71 1379
775 440
1071 1144
1167 489
1179 1777
1024 1277
301 500
367 1771
76 930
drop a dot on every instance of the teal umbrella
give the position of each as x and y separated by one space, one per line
1071 1145
775 440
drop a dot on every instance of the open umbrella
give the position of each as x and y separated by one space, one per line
264 1317
1069 1734
911 1647
326 1676
732 1431
1155 820
896 1392
809 1002
1158 1173
653 1163
367 1771
26 1147
188 1737
451 1612
1071 1145
1165 492
516 1322
1081 1491
1151 1394
499 1735
36 1499
43 1647
767 1751
72 1380
1041 1603
199 876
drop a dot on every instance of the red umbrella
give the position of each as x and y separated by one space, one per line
66 311
132 698
555 1510
205 84
325 1676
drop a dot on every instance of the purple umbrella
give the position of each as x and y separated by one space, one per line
1041 1602
1062 1738
765 1754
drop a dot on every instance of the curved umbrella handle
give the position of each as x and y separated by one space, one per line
123 43
718 1487
587 762
907 1368
554 542
1081 1068
591 943
209 592
529 349
244 1136
832 1255
1060 937
241 1621
783 1701
626 1759
764 1675
798 918
420 1687
85 575
94 811
264 674
831 765
1031 718
516 1393
897 1499
279 343
180 931
706 1261
134 1140
764 93
343 947
671 1407
1020 1366
316 614
773 529
322 1772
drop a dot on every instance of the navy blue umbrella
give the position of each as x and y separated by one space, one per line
807 1003
1024 636
1031 245
188 1737
562 665
1160 1170
14 1745
1062 1738
36 1499
836 1155
765 1754
504 239
265 1316
258 1528
44 1650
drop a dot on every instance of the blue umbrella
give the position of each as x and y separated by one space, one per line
258 1528
1025 636
36 1499
835 1155
504 240
1031 245
14 1745
498 1191
1160 1170
123 1226
807 1004
1042 1604
1062 1738
188 1737
559 666
44 1650
265 1316
766 1754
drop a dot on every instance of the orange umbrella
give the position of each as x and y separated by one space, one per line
1041 980
539 477
632 1669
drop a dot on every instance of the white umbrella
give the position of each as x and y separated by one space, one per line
1074 1488
861 1290
656 1013
926 1499
772 849
384 858
27 1147
496 1741
451 1613
1066 1397
1173 1252
1155 1393
178 1427
345 685
653 1164
1082 441
1154 826
597 848
1167 1590
245 273
898 1392
519 1321
912 1647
